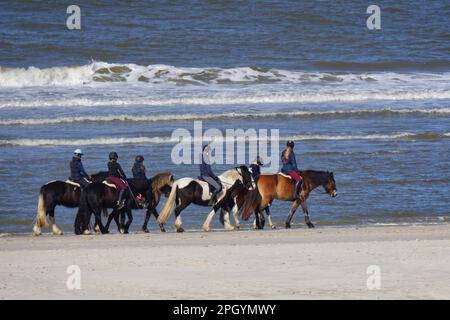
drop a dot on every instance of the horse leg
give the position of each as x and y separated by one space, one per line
111 216
306 214
130 219
236 216
161 225
147 217
208 219
269 217
226 220
291 213
55 229
98 221
177 212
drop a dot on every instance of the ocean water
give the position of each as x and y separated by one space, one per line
371 106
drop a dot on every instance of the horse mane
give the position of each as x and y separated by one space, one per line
161 179
317 176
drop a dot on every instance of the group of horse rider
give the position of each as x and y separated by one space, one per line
117 176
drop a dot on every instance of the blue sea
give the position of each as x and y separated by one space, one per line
373 106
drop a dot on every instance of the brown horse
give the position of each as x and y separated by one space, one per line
281 187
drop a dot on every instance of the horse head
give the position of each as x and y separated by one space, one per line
330 184
247 179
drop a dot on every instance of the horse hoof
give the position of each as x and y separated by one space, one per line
37 231
146 230
180 230
288 225
122 231
274 227
163 230
237 227
310 225
86 232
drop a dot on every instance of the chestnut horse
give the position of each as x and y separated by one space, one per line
281 187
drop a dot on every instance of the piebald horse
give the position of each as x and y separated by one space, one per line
58 193
188 190
281 187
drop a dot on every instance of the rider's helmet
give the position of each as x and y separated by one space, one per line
290 144
139 158
113 156
78 152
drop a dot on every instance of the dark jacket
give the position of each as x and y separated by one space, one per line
76 170
138 171
205 168
255 170
289 164
115 170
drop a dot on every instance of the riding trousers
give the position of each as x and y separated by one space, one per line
83 183
212 182
117 181
294 174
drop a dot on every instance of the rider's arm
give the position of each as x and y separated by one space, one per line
293 161
82 171
122 174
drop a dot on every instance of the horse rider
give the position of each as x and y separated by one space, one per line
290 167
208 175
255 170
138 171
117 177
77 172
138 168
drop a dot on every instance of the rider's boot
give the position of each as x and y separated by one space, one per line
121 200
298 187
213 198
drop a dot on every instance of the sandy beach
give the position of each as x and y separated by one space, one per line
324 263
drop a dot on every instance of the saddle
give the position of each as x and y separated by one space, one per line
68 181
211 188
111 185
284 175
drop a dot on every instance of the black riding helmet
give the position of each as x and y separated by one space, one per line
139 158
113 156
290 143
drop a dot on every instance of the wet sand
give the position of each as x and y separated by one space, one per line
323 263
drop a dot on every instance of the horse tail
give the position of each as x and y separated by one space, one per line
168 206
41 216
251 203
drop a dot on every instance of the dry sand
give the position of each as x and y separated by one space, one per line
324 263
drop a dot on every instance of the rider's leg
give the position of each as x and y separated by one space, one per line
121 200
216 186
298 183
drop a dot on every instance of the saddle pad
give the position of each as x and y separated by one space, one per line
284 175
109 184
73 183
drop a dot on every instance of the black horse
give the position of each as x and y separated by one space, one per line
58 193
160 184
98 196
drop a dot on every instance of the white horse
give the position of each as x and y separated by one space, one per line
188 190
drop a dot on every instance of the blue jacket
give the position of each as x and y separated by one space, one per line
205 168
289 164
138 171
255 170
76 170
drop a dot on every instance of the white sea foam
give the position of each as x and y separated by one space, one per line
165 140
212 116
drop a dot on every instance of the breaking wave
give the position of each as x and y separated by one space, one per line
102 72
220 116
